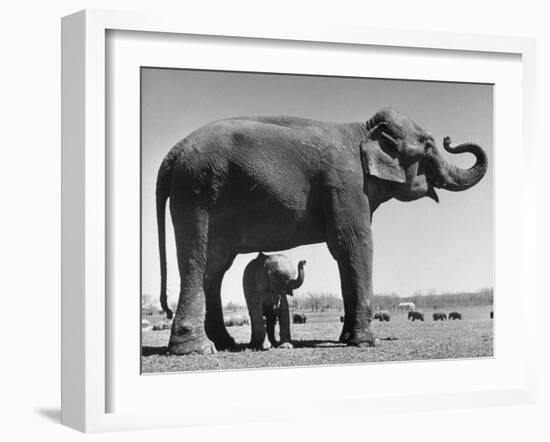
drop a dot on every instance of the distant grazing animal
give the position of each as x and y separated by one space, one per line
341 318
299 318
382 315
415 315
455 315
236 321
491 314
162 326
439 316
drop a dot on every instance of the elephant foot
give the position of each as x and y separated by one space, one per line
223 342
364 344
363 338
345 337
261 346
286 345
201 345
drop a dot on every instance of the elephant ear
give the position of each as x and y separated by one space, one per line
380 155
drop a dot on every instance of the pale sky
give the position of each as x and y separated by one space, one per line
418 245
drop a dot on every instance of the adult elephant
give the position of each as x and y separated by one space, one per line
455 315
439 316
267 281
254 184
299 318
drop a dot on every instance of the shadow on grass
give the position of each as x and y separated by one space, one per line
310 343
314 343
163 351
151 351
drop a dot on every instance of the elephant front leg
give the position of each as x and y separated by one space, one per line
347 327
355 266
270 320
284 323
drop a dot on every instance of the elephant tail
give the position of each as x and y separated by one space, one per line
162 194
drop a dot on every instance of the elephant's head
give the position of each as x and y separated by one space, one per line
399 151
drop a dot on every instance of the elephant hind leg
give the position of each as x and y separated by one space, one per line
188 334
258 335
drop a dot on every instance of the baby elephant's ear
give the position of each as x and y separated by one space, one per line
380 155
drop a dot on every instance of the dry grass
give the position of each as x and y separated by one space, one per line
315 343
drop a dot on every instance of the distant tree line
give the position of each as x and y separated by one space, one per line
436 300
316 302
322 302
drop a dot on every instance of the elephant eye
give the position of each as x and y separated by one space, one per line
428 143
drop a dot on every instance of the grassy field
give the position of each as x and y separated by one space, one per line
316 343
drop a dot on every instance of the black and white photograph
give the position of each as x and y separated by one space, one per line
295 220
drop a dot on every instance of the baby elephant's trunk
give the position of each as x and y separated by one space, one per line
293 284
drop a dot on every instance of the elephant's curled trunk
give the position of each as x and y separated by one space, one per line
454 178
295 283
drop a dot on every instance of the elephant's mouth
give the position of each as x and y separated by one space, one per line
432 193
431 182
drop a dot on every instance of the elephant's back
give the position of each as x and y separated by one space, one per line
266 133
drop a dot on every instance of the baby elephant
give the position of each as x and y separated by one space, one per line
299 318
267 281
382 315
440 316
455 315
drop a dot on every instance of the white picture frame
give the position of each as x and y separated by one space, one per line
86 217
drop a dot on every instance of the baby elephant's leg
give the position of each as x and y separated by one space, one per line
284 323
271 318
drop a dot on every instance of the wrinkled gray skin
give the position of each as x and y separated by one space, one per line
267 281
255 184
